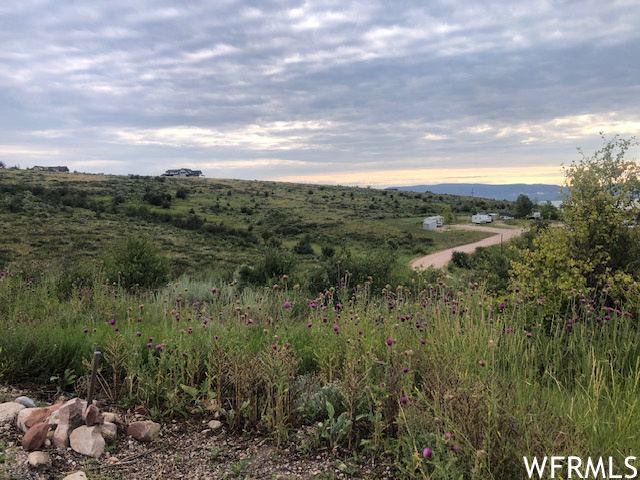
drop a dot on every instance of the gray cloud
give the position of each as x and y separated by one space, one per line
283 88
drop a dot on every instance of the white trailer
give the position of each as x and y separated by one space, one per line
481 218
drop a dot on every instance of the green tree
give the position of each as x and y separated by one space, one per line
524 206
599 245
549 211
137 262
447 215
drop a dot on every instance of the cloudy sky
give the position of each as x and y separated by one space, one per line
379 93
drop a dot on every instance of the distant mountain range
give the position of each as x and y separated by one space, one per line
537 192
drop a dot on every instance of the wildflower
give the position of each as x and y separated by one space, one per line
336 328
286 305
423 341
312 305
309 325
338 306
214 290
529 334
405 369
159 346
150 339
404 400
389 341
360 332
149 345
85 330
190 330
455 448
501 306
112 321
274 346
481 363
426 453
205 321
447 435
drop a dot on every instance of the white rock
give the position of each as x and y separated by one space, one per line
39 459
61 436
26 401
214 424
54 419
9 412
80 475
110 417
87 441
109 431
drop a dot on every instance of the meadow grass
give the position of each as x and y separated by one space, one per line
480 380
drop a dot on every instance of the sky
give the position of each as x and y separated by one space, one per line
369 93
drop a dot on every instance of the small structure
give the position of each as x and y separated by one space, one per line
536 216
432 223
507 216
50 169
481 218
182 172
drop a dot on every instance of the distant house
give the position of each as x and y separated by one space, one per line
536 216
50 169
507 216
481 218
432 223
182 172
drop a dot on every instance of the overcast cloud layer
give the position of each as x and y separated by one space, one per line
348 92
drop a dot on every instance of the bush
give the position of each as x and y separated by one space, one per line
137 262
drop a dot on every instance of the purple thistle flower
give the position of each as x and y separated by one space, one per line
447 435
455 448
404 400
336 328
360 332
112 321
214 290
405 369
338 306
85 330
309 325
529 334
286 305
149 345
426 453
150 339
159 346
389 341
138 334
423 341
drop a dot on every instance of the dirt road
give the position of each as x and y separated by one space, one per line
440 259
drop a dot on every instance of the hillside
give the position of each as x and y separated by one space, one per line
211 223
537 192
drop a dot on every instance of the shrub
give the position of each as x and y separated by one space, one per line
137 262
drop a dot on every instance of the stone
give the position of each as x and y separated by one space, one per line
79 475
109 431
28 417
92 416
144 431
61 437
26 401
87 441
71 413
35 436
9 412
39 459
111 417
214 424
54 418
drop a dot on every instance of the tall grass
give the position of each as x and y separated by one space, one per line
479 380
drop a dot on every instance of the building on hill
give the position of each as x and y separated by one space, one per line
50 169
432 223
182 172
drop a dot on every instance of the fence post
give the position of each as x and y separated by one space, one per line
94 373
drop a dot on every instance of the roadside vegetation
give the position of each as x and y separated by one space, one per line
440 374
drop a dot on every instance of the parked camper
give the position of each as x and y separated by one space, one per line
481 218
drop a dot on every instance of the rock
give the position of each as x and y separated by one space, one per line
79 475
109 431
92 416
54 418
39 459
71 413
87 441
113 460
35 436
26 401
9 412
61 437
214 424
22 417
111 417
144 431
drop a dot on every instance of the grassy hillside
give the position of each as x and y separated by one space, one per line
211 223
